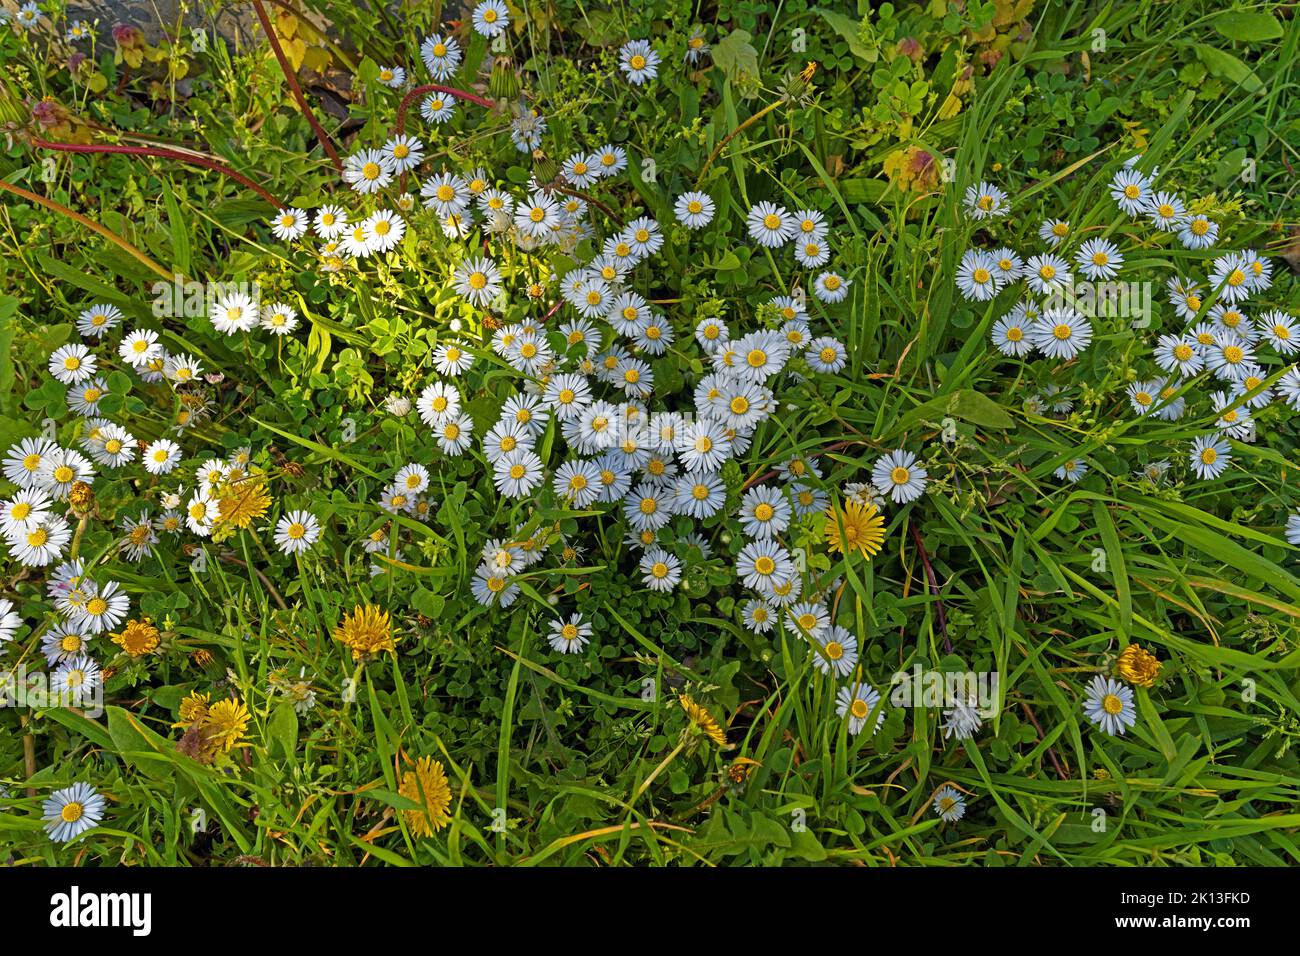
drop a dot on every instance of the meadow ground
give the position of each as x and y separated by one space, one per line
749 433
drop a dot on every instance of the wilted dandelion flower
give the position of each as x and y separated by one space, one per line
1138 666
704 721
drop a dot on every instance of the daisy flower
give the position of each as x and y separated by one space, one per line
1072 470
279 319
977 276
441 56
950 805
1180 354
289 224
1010 335
984 201
1109 704
437 108
1099 259
330 221
70 812
839 649
368 171
104 610
404 152
769 224
139 347
638 61
161 456
41 544
699 495
1229 357
454 434
76 681
10 621
1279 330
694 210
1166 211
703 445
758 616
857 703
539 217
898 475
577 483
571 636
1061 333
1198 232
831 287
1048 274
98 319
660 571
1054 231
1209 456
234 312
1293 528
1230 275
452 358
72 364
1131 191
296 532
1143 395
764 511
763 564
477 280
393 77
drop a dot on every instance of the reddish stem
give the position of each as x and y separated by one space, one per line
934 587
160 153
321 136
405 105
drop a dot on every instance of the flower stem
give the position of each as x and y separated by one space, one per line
90 224
161 153
321 136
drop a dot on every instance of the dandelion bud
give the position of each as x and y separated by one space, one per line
504 83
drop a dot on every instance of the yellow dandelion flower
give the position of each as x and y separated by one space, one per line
193 709
855 527
138 638
224 724
242 500
702 719
367 631
1138 666
426 785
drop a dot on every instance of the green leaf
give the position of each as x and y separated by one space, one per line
735 55
1248 27
1226 66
